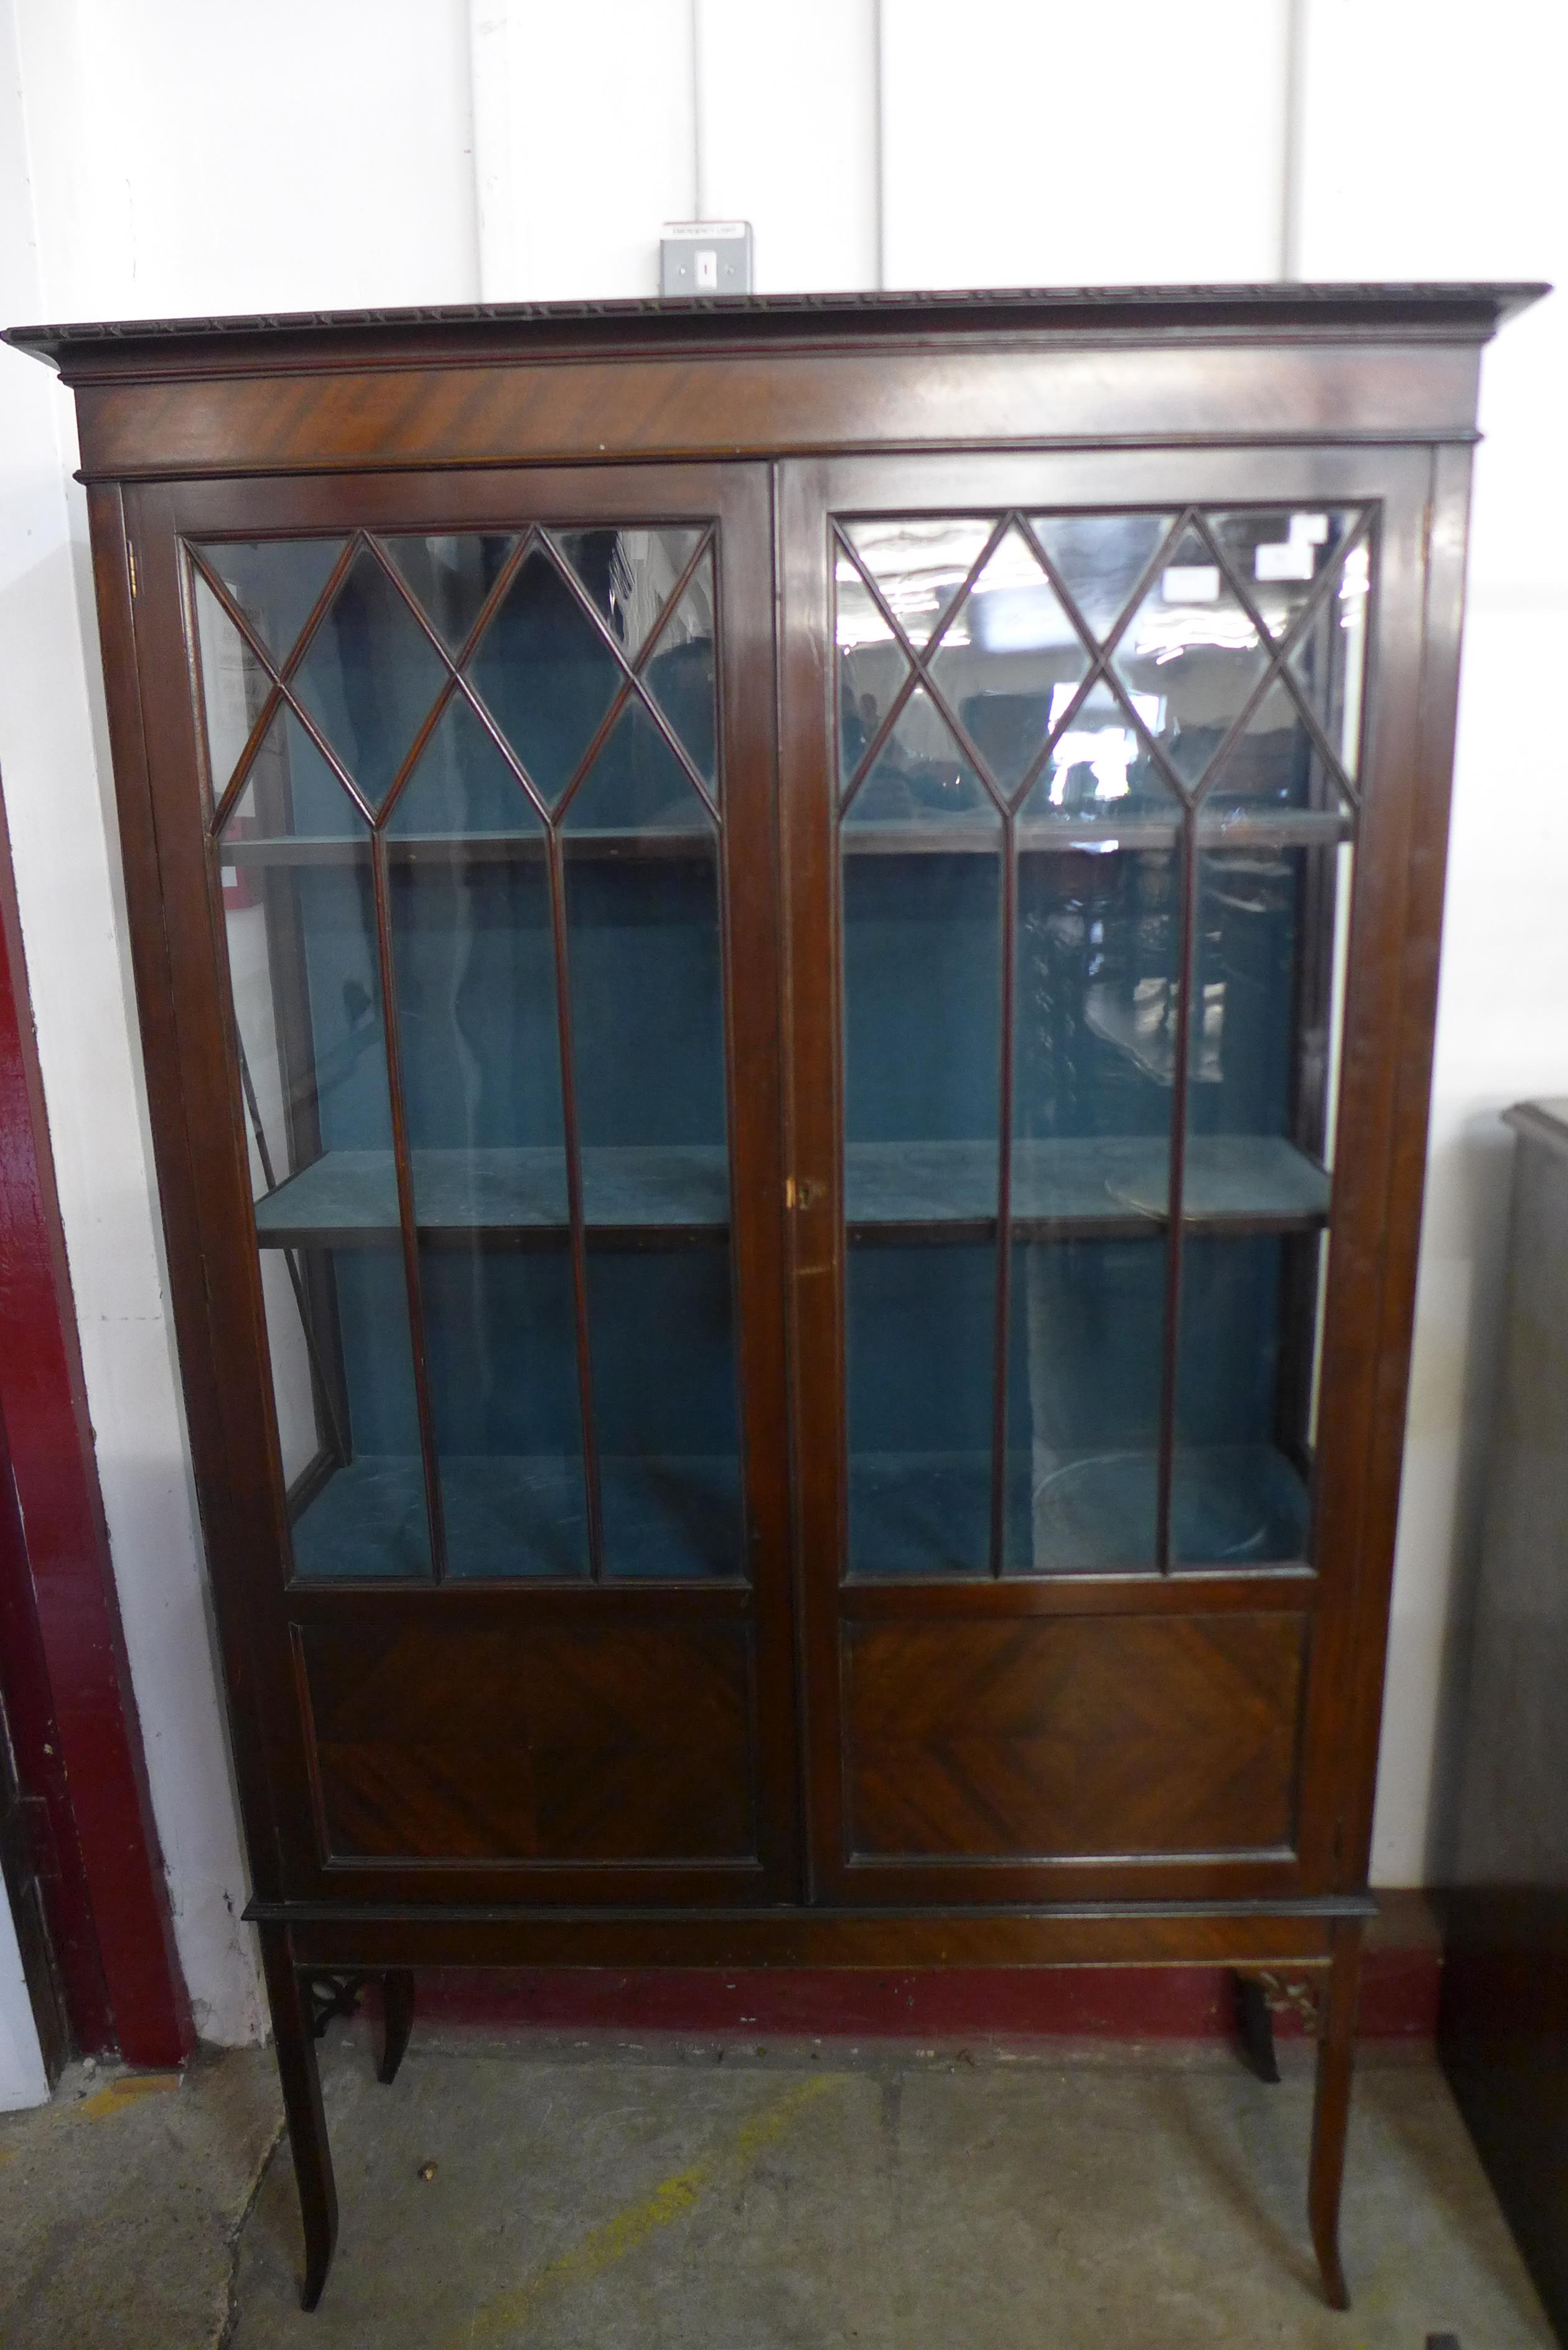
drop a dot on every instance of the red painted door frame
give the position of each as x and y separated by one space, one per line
67 1683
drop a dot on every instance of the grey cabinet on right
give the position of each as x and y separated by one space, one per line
1504 2028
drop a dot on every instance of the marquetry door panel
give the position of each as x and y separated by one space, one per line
482 787
1143 1735
1079 763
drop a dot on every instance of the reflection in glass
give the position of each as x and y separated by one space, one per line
1266 1000
1281 556
234 687
452 575
1100 560
462 787
537 818
921 962
277 583
1095 1013
1088 1325
545 672
629 575
1212 729
1328 661
1011 662
1193 651
644 953
368 676
312 1046
679 673
920 777
480 1050
918 564
1098 771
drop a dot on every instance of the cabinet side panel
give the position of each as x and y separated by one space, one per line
991 1740
542 1742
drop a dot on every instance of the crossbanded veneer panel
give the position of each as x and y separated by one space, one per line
1071 1737
544 1741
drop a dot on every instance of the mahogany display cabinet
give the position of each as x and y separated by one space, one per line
787 952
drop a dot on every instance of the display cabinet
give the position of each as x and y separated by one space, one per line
788 954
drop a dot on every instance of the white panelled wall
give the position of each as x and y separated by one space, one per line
160 157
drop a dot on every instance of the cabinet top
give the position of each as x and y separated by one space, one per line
1282 312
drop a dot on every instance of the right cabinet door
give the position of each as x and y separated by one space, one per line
1076 751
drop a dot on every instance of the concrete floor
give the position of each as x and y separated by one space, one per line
591 2195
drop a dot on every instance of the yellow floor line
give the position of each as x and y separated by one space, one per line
119 2095
670 2200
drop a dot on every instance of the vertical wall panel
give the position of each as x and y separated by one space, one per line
786 137
584 143
187 158
1430 146
1030 143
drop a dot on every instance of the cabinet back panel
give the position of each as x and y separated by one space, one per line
543 1742
1107 1735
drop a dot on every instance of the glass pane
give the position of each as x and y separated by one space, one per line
277 583
918 564
545 672
234 687
290 792
1099 776
300 921
1095 1010
460 788
1100 560
872 671
1193 654
921 952
450 575
1088 1322
1268 971
1329 660
1280 555
921 781
1272 764
369 676
628 575
636 788
646 1015
679 675
1010 663
474 951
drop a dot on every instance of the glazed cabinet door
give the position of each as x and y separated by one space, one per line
1080 774
463 799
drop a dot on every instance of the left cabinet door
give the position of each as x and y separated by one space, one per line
462 791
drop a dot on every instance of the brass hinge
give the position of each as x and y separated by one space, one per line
130 558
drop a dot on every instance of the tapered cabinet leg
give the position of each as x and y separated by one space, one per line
1331 2107
1255 2027
295 2042
397 2020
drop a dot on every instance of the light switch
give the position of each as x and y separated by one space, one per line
705 257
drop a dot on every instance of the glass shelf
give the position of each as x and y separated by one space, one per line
521 1516
1260 827
1117 1187
1247 828
1073 1513
679 841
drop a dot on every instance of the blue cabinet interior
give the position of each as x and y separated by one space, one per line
1097 931
475 969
